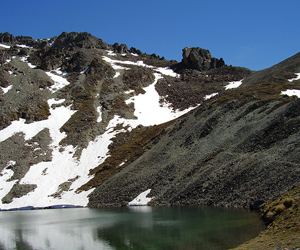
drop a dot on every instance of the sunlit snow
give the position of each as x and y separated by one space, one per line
65 167
5 90
234 84
59 82
291 92
4 46
296 78
141 199
210 96
148 109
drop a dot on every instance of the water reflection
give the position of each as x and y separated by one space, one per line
127 228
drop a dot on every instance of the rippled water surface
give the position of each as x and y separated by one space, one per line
128 228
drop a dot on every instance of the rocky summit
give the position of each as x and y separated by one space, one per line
86 123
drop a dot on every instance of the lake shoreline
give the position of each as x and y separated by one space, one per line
284 227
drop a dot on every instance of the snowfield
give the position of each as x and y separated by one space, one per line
65 167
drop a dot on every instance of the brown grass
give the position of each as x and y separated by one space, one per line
126 148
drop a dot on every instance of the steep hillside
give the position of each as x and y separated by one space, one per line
76 111
87 123
237 149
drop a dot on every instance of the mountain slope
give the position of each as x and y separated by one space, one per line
68 100
88 123
239 149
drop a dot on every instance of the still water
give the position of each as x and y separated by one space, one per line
127 228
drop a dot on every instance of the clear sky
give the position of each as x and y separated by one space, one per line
255 34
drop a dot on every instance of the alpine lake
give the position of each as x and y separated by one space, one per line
136 227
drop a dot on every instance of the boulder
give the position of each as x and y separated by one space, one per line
201 59
7 38
81 40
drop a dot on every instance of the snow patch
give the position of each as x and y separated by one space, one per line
291 92
5 90
296 78
59 82
113 63
233 84
57 118
165 71
23 46
99 119
148 109
141 199
111 53
210 96
4 46
117 74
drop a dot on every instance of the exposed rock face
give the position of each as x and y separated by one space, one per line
201 59
7 38
81 40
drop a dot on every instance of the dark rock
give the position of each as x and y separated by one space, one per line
80 40
122 49
77 63
7 38
201 59
26 40
135 51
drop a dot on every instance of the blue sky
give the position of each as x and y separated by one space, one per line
254 34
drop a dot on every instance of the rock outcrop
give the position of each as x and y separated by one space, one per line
201 59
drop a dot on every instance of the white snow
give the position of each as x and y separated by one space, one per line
64 166
148 109
210 96
164 71
168 71
5 90
4 46
111 53
24 59
23 46
233 84
99 119
141 199
54 122
296 78
10 163
291 92
59 82
117 74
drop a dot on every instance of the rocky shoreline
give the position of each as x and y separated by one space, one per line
283 232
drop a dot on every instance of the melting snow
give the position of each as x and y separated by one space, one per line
233 84
5 90
64 166
111 53
59 82
4 46
117 74
210 96
165 71
296 78
99 119
141 199
291 92
148 109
